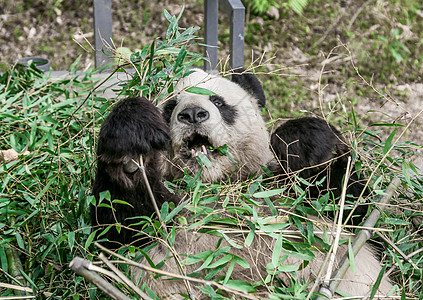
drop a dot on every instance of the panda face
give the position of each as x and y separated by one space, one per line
202 123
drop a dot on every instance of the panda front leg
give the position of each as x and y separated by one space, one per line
311 146
134 130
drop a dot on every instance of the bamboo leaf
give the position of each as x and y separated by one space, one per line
269 193
200 91
277 250
71 239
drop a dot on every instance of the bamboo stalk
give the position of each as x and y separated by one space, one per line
81 267
124 278
15 268
361 238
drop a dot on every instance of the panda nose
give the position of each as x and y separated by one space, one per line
192 115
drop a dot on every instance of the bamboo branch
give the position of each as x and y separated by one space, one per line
141 168
361 238
15 269
81 267
396 248
17 297
339 225
17 287
123 277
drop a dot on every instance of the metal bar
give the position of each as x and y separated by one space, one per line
237 34
236 12
102 32
211 8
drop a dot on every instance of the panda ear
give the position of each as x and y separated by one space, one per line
249 82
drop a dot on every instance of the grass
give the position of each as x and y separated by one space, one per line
44 195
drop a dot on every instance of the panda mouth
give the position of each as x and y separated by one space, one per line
196 143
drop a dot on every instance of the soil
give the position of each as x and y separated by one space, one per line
373 72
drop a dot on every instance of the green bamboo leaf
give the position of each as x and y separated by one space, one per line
306 255
71 239
229 271
310 233
240 286
200 91
269 193
3 259
250 238
206 262
90 239
388 143
274 227
288 268
203 159
224 260
271 206
175 211
19 240
231 242
192 259
180 59
277 250
377 283
164 211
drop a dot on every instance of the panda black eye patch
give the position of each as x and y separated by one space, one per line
228 112
168 109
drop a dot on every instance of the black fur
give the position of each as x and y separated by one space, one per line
134 127
249 82
228 112
311 145
168 109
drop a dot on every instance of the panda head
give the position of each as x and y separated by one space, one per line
204 123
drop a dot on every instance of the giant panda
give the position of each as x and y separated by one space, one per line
169 140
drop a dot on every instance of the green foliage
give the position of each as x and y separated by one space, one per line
261 6
159 65
44 195
398 50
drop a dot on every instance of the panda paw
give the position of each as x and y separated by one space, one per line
135 126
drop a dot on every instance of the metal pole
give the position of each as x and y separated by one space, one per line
102 32
237 34
211 8
236 12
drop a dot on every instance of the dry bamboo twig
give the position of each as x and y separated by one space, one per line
17 297
123 277
16 287
339 225
81 267
392 244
